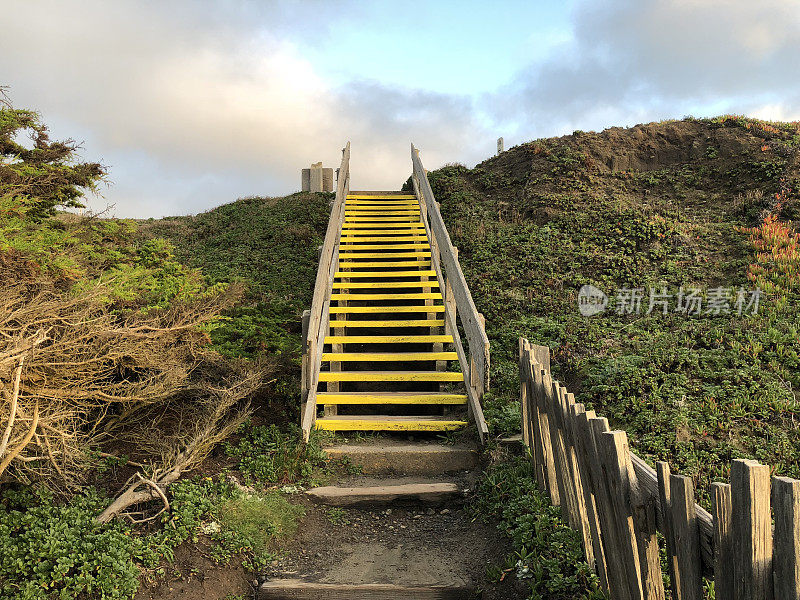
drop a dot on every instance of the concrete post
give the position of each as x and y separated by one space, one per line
499 145
316 177
327 180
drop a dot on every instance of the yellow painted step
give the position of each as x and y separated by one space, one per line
390 376
343 285
389 398
439 308
379 204
351 264
362 234
409 219
385 211
376 274
390 323
388 423
381 197
380 200
381 229
384 226
421 246
347 240
386 231
411 214
388 339
387 356
389 296
381 213
381 210
386 255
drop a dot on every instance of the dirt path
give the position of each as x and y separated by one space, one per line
410 542
408 545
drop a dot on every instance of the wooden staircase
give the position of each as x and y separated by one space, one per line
382 345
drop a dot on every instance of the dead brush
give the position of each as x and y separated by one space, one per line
74 373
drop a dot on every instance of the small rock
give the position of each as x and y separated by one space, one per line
388 511
417 516
445 511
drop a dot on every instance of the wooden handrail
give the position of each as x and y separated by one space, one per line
452 282
319 316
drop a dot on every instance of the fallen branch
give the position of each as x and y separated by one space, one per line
13 409
21 446
213 427
154 489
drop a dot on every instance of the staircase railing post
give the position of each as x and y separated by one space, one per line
314 335
304 367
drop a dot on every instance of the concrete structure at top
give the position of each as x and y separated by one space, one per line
317 179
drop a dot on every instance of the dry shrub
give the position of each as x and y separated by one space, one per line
74 372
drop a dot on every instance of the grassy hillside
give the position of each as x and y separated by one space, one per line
270 246
694 203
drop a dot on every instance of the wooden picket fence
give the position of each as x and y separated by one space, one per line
749 547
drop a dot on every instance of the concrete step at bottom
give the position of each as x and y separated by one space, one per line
385 458
380 495
297 589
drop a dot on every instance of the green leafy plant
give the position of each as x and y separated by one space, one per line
268 454
547 554
50 550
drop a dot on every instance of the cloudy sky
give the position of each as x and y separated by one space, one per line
193 103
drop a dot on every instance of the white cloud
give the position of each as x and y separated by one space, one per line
204 96
631 60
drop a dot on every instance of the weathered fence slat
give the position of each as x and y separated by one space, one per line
786 502
752 530
548 403
688 580
665 497
615 563
569 504
549 465
613 446
723 541
645 525
573 507
568 403
539 450
578 415
524 398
